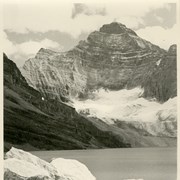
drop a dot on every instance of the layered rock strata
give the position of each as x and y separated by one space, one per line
113 57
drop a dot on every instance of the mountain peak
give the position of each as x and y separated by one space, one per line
43 50
5 56
116 28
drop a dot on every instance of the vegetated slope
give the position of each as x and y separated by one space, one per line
34 122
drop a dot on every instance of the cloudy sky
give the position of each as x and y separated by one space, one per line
59 26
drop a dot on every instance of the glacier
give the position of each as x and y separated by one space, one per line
130 106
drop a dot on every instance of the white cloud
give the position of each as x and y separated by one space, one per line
131 21
21 52
52 16
81 8
160 36
160 19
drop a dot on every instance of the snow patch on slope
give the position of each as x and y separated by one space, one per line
158 62
126 105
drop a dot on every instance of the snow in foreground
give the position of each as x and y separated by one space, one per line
126 105
21 165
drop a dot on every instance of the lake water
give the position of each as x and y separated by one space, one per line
123 164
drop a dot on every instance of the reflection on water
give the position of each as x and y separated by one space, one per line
123 164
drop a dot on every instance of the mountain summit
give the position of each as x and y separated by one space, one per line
116 28
113 57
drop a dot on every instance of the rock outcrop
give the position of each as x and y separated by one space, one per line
25 157
72 169
21 165
15 169
114 58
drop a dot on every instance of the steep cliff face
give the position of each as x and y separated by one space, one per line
32 121
114 57
12 74
55 75
161 81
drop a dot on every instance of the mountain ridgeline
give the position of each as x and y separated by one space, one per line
36 97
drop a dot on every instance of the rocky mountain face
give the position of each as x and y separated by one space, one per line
113 57
55 75
161 81
34 122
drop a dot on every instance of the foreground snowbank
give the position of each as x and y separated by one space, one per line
126 105
21 165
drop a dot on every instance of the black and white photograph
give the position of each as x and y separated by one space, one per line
89 90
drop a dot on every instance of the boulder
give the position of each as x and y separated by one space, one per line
21 165
31 159
72 169
15 169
